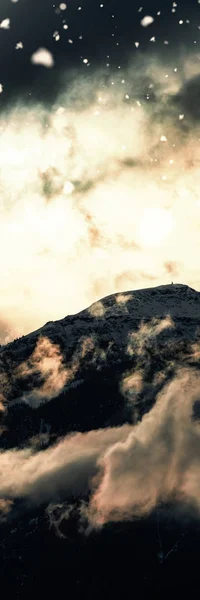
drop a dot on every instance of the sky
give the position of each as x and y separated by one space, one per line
99 153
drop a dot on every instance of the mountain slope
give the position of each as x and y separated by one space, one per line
100 446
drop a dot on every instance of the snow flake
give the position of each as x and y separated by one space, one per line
19 46
42 56
147 20
56 36
5 24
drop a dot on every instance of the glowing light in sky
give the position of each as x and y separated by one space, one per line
155 226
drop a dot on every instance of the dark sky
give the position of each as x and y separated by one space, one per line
109 30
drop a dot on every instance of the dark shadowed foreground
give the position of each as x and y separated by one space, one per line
100 450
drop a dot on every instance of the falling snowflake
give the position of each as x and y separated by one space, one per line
147 21
5 24
56 36
42 56
19 46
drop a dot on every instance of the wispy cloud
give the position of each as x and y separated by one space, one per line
127 471
53 374
159 461
48 362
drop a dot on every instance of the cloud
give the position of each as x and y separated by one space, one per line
5 508
146 336
172 267
46 366
57 472
48 361
98 204
122 472
159 461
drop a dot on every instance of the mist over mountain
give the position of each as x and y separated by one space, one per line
100 449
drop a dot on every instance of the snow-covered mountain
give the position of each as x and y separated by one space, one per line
100 446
